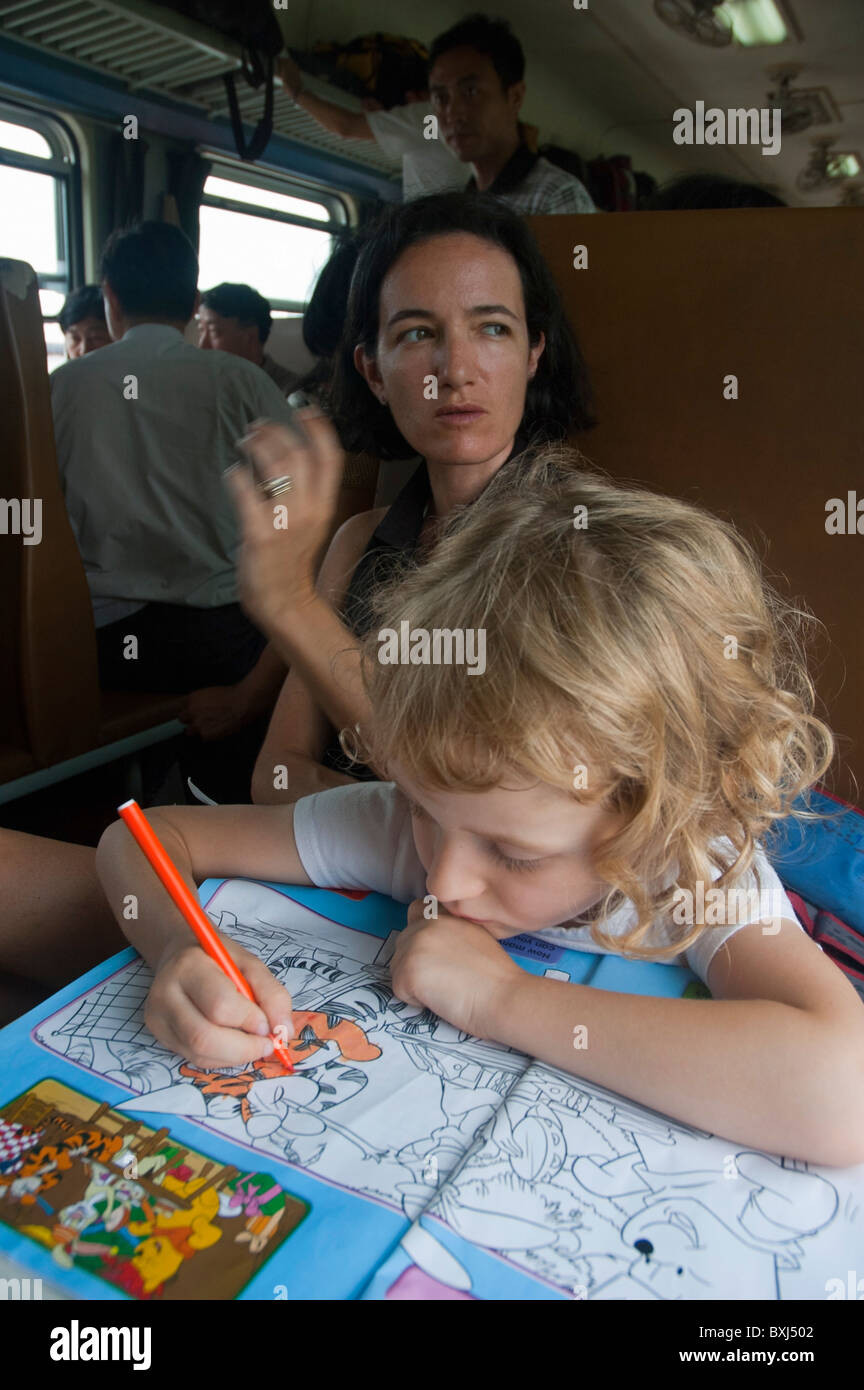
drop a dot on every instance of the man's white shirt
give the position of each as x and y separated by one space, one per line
145 428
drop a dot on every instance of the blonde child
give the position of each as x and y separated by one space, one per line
642 718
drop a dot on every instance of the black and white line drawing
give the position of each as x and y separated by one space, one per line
576 1186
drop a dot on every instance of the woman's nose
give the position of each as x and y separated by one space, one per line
455 365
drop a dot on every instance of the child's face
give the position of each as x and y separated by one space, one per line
513 860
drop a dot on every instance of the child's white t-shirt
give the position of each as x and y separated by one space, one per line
360 836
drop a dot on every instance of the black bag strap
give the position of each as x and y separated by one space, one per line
264 129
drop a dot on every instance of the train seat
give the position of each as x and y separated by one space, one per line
50 700
725 350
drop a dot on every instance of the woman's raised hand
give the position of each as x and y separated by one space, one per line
284 533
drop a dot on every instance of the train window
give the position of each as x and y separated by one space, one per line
273 233
37 159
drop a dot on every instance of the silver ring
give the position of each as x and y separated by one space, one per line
274 487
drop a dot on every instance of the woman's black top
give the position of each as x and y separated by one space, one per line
392 546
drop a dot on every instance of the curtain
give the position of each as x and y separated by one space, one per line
187 172
126 163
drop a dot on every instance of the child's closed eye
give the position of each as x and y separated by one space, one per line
517 865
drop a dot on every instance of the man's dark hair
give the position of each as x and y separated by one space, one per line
240 302
83 303
153 270
492 37
558 397
710 191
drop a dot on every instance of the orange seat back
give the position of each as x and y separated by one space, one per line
50 684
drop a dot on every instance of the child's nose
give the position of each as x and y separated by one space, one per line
453 876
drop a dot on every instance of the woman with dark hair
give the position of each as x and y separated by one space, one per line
455 348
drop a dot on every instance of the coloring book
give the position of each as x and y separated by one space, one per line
402 1160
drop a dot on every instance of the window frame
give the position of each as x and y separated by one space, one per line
64 166
340 207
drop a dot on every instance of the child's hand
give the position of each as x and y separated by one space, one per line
194 1009
453 967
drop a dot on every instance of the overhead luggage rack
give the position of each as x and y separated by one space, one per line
291 120
142 44
155 50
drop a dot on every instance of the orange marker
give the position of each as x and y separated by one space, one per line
185 900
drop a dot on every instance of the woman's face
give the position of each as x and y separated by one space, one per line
453 359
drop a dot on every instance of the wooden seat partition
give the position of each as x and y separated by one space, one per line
671 305
50 702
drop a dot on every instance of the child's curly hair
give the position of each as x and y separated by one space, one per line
628 633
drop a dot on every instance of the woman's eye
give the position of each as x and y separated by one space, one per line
517 865
501 330
406 337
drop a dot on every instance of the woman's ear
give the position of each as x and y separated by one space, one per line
369 370
535 354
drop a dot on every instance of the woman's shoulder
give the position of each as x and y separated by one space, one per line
345 552
359 528
354 535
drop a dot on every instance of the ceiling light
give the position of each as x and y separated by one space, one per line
755 22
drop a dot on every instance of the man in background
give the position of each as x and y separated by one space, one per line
82 320
145 429
476 87
237 319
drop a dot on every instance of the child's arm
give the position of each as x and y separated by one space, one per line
775 1060
192 1007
